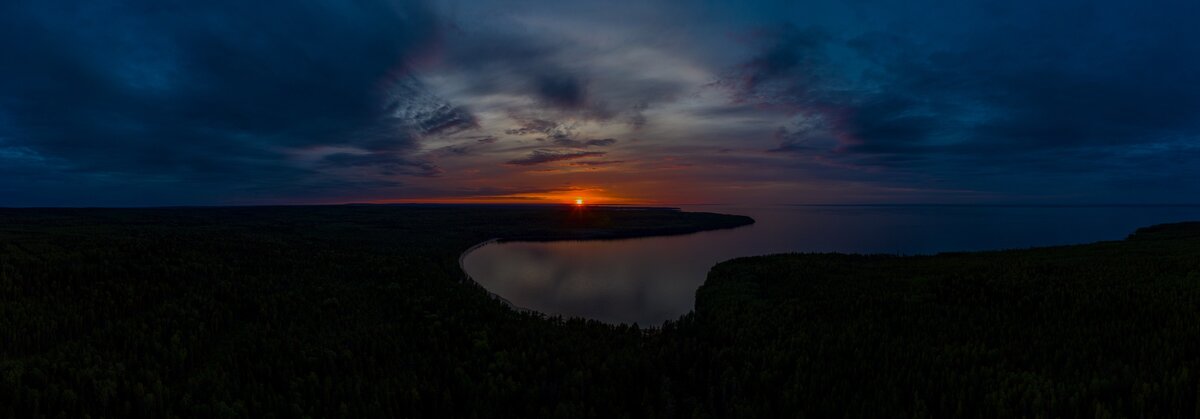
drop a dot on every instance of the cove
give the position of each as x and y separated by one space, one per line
654 279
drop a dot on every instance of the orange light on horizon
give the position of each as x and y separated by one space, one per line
572 197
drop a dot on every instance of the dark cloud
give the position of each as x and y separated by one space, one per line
801 140
888 124
507 192
556 74
518 64
597 163
637 115
228 101
411 104
563 91
789 69
560 134
537 157
192 92
386 163
572 143
464 149
1057 85
534 126
791 56
1039 86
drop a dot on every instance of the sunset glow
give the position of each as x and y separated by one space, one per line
596 208
651 105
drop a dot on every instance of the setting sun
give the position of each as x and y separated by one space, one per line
578 201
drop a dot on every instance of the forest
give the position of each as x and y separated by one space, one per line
362 311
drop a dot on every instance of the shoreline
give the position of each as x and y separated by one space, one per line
468 279
584 236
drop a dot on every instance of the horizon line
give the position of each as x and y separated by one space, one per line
640 205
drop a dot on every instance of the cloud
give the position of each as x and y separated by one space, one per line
562 90
228 101
559 134
537 157
491 61
597 163
809 134
466 148
532 126
410 103
788 68
217 93
386 163
637 115
936 105
545 69
572 143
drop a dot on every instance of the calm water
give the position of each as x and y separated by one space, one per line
650 280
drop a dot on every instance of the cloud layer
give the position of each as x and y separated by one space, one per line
223 94
137 102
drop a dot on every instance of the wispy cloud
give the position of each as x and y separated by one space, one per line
230 101
549 156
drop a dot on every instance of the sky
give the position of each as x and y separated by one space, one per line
229 102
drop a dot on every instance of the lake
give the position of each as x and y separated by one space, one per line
650 280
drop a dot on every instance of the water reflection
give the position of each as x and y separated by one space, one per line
650 280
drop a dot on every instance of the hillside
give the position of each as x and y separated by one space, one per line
362 311
1109 329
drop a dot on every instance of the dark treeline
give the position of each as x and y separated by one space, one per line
362 311
1110 329
356 311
